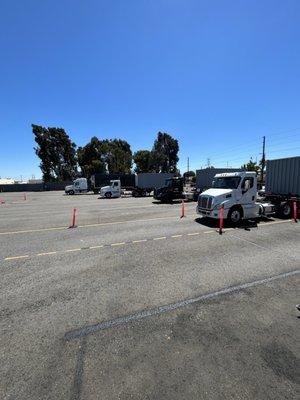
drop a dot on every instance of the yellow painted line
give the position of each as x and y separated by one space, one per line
275 222
34 230
84 226
71 250
16 257
136 241
125 222
47 254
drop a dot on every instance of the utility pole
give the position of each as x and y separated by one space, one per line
208 162
263 160
188 164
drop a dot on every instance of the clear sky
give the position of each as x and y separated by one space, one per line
215 74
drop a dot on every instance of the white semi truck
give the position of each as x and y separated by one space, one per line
80 185
112 190
111 185
236 193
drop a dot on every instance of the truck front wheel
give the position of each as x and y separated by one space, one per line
235 215
108 195
71 192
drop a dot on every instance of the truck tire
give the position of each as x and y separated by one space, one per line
285 210
71 192
108 195
235 215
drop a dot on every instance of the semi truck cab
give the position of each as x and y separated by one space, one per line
236 192
80 185
113 190
173 189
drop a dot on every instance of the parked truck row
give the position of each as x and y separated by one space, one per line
112 185
233 190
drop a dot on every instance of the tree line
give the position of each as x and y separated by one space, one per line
62 160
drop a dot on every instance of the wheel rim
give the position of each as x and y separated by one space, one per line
286 210
235 216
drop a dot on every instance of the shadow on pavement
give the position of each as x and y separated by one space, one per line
246 225
175 202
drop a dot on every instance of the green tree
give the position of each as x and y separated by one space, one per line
189 174
118 156
164 155
91 157
57 153
141 159
251 166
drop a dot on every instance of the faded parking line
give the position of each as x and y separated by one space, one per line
90 329
186 235
16 257
57 228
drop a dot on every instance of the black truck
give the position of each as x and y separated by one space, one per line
172 190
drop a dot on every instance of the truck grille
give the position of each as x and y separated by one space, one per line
205 202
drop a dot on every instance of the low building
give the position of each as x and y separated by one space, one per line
7 181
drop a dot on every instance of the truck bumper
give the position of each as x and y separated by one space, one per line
211 213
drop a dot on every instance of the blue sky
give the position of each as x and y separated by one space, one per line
217 75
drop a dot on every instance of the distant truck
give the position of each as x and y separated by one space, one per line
98 181
237 193
171 190
80 185
83 185
139 184
143 184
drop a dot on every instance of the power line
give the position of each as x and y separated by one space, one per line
254 148
271 148
282 132
289 149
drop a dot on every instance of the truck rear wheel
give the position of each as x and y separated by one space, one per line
235 215
285 210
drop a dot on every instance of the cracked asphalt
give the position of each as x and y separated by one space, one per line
180 311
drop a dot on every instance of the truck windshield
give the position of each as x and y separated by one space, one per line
228 182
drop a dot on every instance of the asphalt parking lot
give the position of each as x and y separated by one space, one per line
138 303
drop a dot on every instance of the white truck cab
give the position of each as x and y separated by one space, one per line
236 192
113 190
80 185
